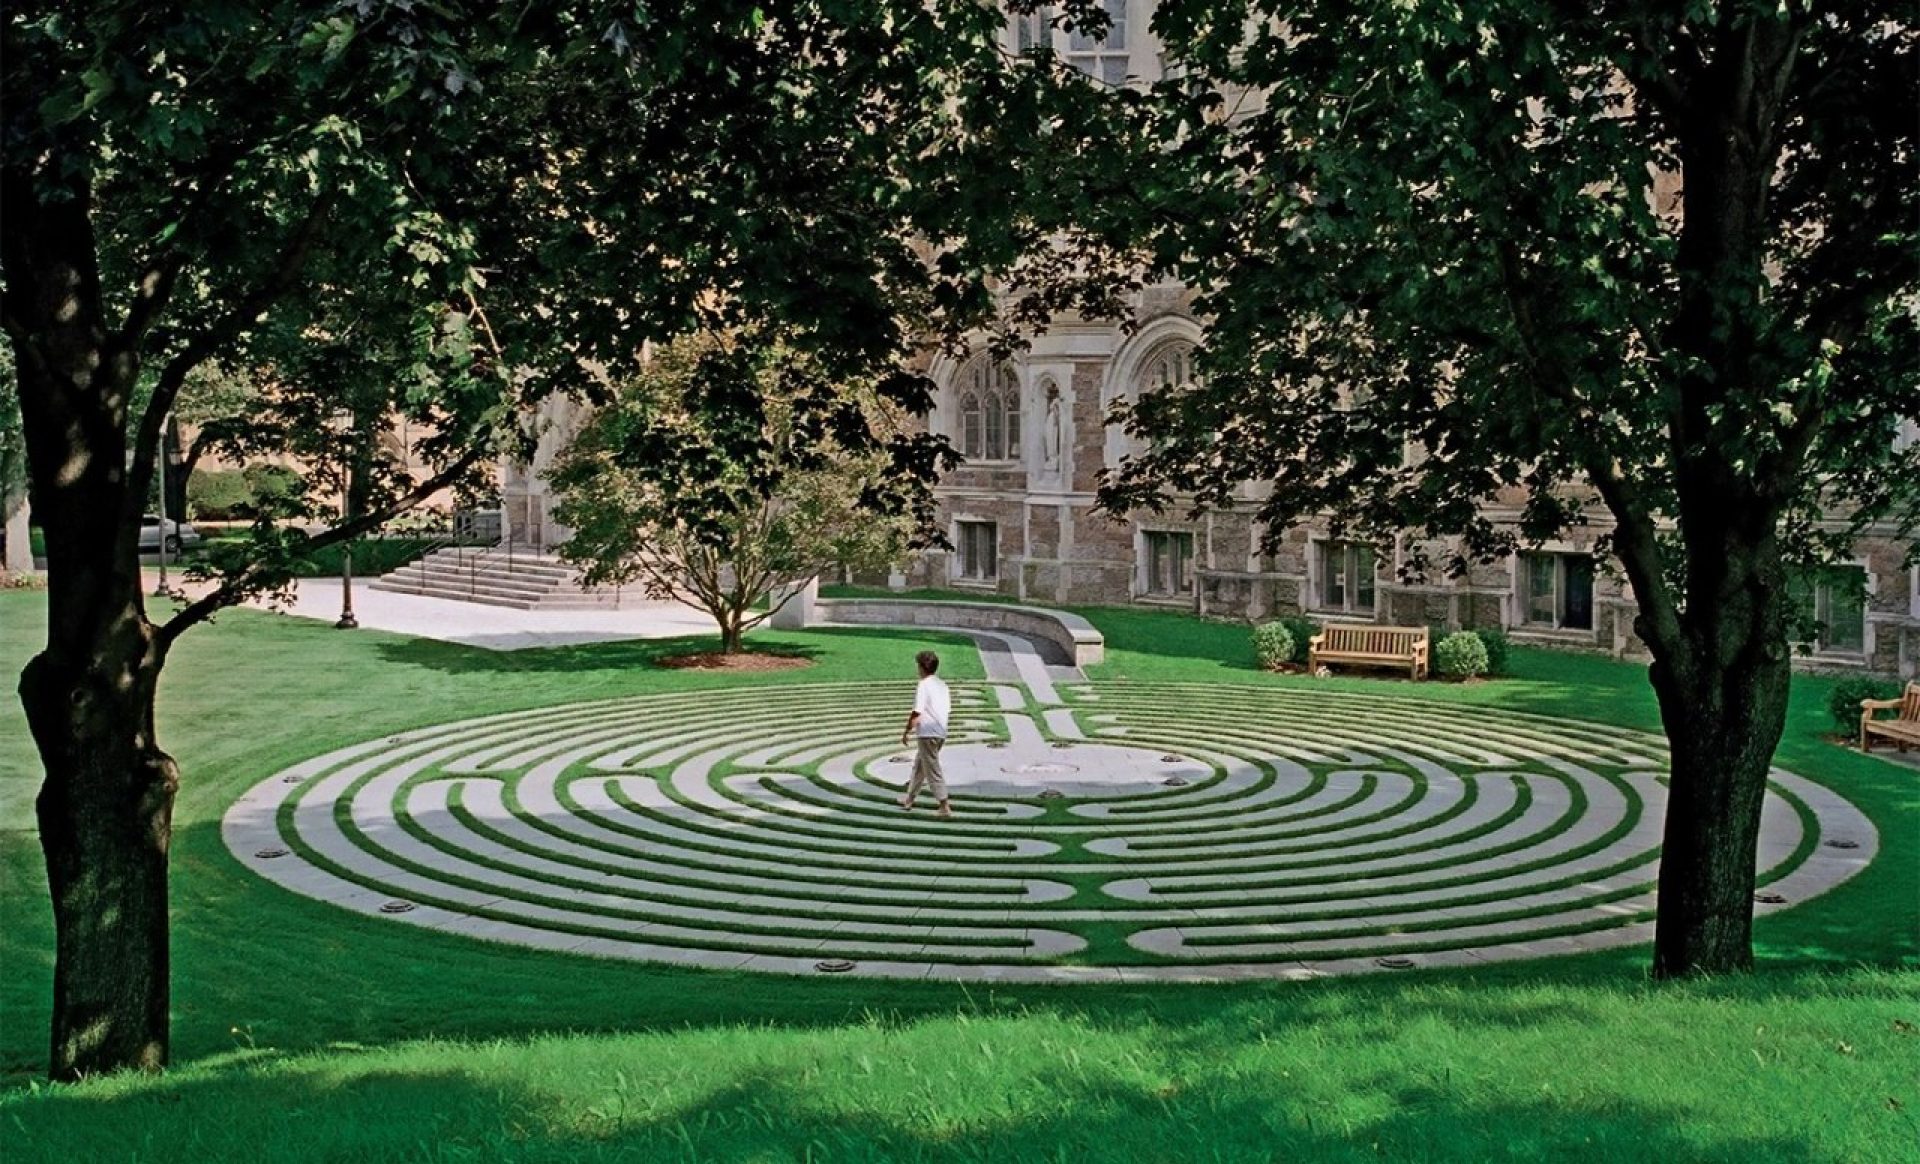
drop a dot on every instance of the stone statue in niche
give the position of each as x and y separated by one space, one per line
1052 430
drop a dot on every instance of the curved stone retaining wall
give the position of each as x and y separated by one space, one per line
1072 634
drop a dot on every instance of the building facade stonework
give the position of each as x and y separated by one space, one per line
1022 518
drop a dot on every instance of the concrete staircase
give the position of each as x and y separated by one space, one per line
523 580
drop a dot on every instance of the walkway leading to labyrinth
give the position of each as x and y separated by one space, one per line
1103 832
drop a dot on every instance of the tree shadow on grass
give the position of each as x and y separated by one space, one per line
847 1104
632 654
624 654
253 957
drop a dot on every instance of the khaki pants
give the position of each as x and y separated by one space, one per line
926 769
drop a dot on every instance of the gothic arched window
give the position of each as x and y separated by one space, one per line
1170 367
989 411
970 439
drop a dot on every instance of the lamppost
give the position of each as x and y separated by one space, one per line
347 621
160 587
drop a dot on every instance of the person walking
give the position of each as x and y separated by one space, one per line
932 704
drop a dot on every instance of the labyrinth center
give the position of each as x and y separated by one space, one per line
1101 832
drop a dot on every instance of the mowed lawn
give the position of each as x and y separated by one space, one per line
305 1032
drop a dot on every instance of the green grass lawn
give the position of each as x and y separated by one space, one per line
303 1031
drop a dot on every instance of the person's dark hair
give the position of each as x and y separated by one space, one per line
929 662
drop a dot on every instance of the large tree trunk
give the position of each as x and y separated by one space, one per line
1723 700
1722 665
106 807
1722 727
106 820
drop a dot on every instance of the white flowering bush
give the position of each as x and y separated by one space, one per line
1272 645
1461 655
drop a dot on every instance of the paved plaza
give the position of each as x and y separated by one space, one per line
495 628
1102 832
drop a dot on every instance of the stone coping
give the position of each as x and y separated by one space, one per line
1074 635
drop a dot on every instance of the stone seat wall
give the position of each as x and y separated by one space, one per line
1075 636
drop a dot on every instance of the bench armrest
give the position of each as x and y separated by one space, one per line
1869 706
1316 640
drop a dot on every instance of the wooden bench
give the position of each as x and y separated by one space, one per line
1903 729
1371 646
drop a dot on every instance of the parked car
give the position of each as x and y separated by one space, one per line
180 535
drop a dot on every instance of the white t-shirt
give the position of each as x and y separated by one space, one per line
933 704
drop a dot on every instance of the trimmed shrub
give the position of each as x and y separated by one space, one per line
1272 645
276 489
1844 703
1495 640
1302 630
218 494
238 494
1461 655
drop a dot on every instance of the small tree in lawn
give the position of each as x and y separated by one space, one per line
1656 261
721 509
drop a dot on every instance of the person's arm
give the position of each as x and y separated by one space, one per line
906 733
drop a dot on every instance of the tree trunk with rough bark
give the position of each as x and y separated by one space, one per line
105 809
1722 680
106 820
1722 727
1723 664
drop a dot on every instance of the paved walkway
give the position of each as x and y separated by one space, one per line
1008 657
496 628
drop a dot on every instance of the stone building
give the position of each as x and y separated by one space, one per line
527 498
1020 514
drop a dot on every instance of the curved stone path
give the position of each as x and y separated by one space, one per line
1103 832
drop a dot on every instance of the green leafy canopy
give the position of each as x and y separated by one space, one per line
714 477
1467 258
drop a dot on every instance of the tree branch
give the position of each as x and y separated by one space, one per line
286 268
238 587
1854 289
153 290
1636 543
1660 85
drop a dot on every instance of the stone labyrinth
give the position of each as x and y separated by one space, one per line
1102 832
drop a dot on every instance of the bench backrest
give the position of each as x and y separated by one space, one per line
1373 640
1910 704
